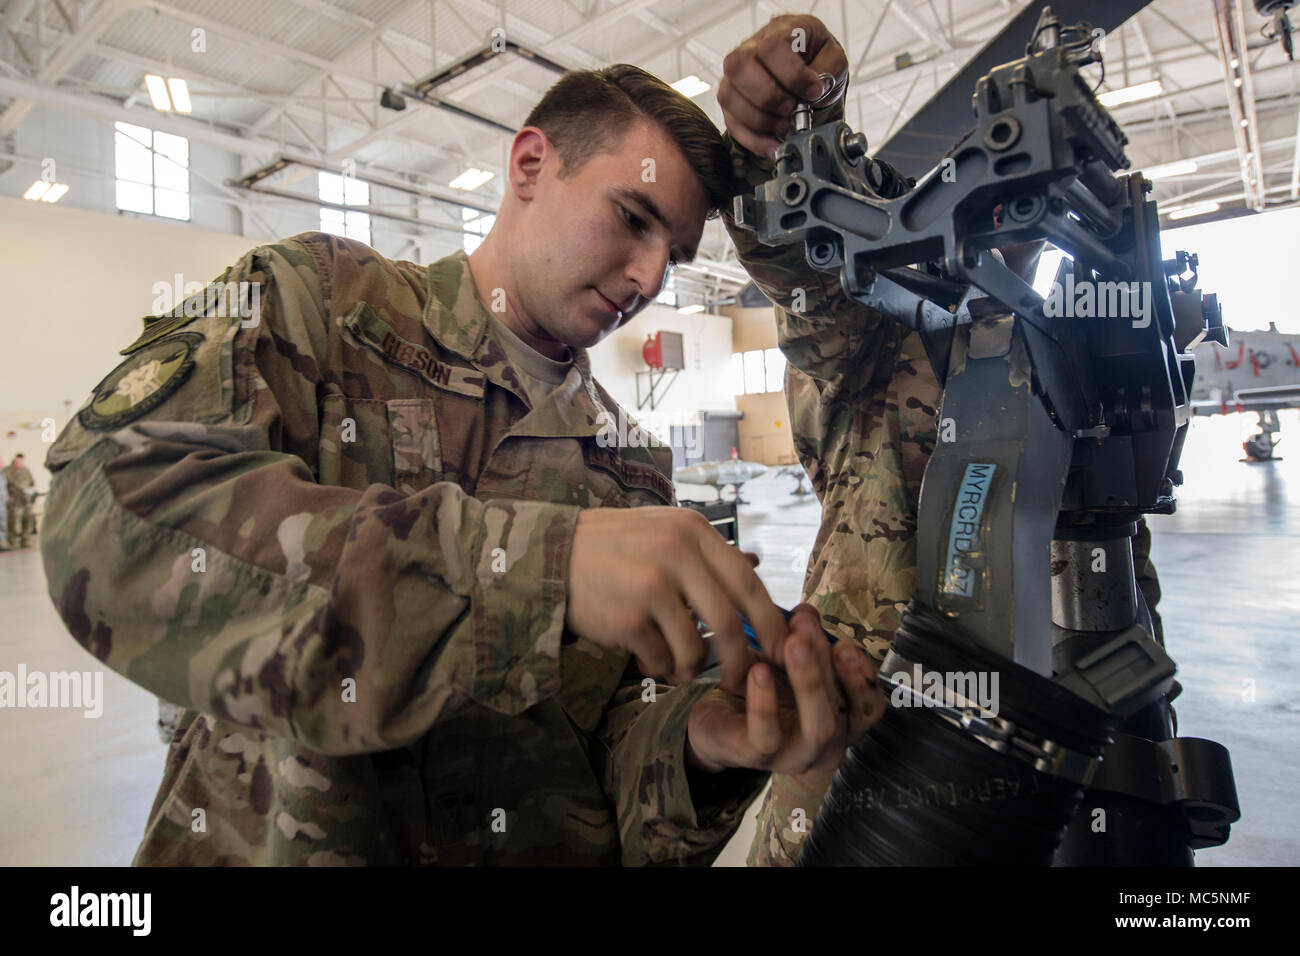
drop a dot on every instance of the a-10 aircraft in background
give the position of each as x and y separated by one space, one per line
1258 372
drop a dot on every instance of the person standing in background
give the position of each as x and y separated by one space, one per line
18 501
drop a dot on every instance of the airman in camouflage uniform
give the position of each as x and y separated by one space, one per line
334 596
377 549
863 402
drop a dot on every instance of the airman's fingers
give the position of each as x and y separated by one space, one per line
784 52
832 60
702 571
762 714
805 620
747 594
857 674
751 88
816 719
756 143
682 634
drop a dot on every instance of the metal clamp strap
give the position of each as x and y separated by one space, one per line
1002 735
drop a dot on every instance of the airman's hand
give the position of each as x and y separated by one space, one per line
798 720
640 579
765 76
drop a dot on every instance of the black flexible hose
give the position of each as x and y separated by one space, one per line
916 791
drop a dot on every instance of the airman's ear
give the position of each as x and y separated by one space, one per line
529 153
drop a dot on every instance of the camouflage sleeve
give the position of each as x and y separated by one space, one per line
1145 572
189 547
667 813
784 820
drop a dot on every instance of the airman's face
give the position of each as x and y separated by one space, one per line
597 244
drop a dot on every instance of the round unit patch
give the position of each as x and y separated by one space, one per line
142 382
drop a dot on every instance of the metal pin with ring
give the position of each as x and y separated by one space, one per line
803 111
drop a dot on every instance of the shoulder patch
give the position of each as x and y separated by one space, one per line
196 306
141 383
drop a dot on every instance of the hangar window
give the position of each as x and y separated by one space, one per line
736 374
757 371
153 171
774 360
476 225
345 191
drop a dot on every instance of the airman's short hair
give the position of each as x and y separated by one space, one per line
586 112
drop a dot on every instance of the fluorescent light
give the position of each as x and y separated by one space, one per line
471 178
1195 209
180 94
690 309
1131 94
45 191
158 92
1177 168
690 86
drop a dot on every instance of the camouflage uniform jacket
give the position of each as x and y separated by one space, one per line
336 533
863 403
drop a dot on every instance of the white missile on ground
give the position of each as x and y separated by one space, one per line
718 472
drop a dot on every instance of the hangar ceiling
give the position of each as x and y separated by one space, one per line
305 78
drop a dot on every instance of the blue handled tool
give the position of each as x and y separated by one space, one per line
753 638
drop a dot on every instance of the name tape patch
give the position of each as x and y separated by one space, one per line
379 335
960 573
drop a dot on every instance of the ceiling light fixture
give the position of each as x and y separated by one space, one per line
1131 94
1179 167
690 86
157 87
170 94
180 92
471 178
45 191
1195 209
